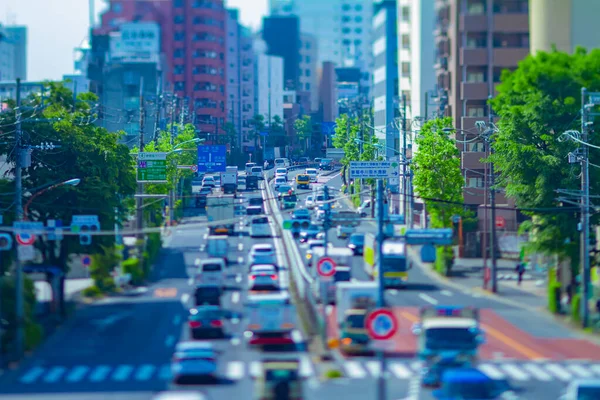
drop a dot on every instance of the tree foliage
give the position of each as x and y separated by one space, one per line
537 102
437 175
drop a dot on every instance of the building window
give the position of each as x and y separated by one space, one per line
308 72
178 19
475 147
475 111
358 7
475 7
476 40
307 59
346 31
358 18
358 30
179 36
346 7
406 95
475 76
357 42
179 86
178 53
178 3
406 42
405 14
307 86
178 69
346 18
406 69
307 45
475 182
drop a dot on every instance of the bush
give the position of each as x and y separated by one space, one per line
34 333
333 374
132 266
553 292
575 307
102 265
92 292
444 260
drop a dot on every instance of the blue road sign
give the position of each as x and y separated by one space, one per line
212 158
328 128
429 236
264 133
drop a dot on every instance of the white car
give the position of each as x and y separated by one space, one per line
262 254
281 172
309 202
260 227
365 208
263 277
249 167
279 181
313 173
344 231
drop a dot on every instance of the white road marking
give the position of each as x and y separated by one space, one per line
537 372
559 372
184 298
197 262
144 372
514 372
393 291
255 369
77 373
374 368
100 373
491 371
238 278
235 341
580 371
400 371
177 319
354 369
240 246
191 281
240 260
446 293
428 298
122 372
54 374
235 297
32 375
170 341
306 367
205 236
235 370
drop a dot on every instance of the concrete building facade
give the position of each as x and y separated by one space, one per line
282 37
475 41
13 52
269 95
309 75
328 106
565 24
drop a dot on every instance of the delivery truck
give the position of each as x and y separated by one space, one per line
220 213
271 319
354 302
229 180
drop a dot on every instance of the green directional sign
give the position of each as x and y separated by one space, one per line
152 167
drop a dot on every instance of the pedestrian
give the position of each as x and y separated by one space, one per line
520 270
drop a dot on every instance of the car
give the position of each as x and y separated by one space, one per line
303 160
263 253
303 181
258 172
283 172
254 210
309 233
288 201
205 190
313 174
260 227
255 201
210 271
284 189
471 383
209 181
279 379
356 243
263 277
365 208
249 167
309 202
582 389
208 295
326 164
320 199
194 362
282 162
301 213
318 160
311 245
320 214
279 181
206 322
343 231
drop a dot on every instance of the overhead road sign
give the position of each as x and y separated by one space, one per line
326 267
374 169
429 236
34 228
152 167
381 324
54 229
212 158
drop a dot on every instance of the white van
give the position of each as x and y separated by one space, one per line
282 163
210 271
249 167
260 227
256 171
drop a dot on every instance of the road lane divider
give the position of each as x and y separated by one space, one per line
428 298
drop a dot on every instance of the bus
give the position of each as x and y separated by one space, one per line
395 262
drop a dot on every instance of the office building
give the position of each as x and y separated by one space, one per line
282 37
13 52
328 105
309 78
385 76
269 95
475 41
564 24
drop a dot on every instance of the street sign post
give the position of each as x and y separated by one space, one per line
212 158
381 324
152 167
326 267
374 169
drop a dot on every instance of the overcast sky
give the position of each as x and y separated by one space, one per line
56 27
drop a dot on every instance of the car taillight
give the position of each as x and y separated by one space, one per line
252 277
216 323
273 276
195 324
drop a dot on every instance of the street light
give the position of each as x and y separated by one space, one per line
70 182
195 140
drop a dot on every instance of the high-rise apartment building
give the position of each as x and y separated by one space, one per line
13 52
476 40
269 73
565 24
282 37
308 70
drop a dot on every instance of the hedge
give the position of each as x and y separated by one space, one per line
553 292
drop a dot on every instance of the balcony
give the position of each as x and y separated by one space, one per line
473 23
473 195
511 23
474 91
509 56
474 57
468 123
441 63
470 159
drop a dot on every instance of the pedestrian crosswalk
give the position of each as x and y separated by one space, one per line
125 373
516 371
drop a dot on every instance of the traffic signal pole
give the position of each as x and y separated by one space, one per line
140 189
19 301
323 289
381 379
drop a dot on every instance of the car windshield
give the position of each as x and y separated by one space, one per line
212 313
281 170
255 201
290 197
342 276
263 220
588 393
320 198
256 169
357 239
311 171
450 338
355 321
471 390
303 177
211 268
263 270
209 291
262 250
394 263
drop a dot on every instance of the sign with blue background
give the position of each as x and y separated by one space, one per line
212 158
328 128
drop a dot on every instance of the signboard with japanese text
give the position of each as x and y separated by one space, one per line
152 167
212 158
374 169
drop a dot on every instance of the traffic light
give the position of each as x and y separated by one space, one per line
5 241
84 225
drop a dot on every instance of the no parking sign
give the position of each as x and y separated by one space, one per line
381 324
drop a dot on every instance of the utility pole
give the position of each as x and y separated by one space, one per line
140 188
489 132
19 301
381 383
404 165
159 103
585 210
326 226
484 241
173 116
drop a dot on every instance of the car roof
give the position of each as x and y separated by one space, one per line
180 395
311 170
465 375
213 260
194 345
262 246
257 267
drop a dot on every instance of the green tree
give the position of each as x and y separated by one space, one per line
303 129
537 102
437 175
258 125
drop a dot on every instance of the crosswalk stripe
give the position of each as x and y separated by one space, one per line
579 370
122 372
374 368
54 374
595 368
77 373
491 371
306 367
537 372
558 372
100 373
144 372
354 369
165 372
514 372
32 375
255 369
400 371
235 370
